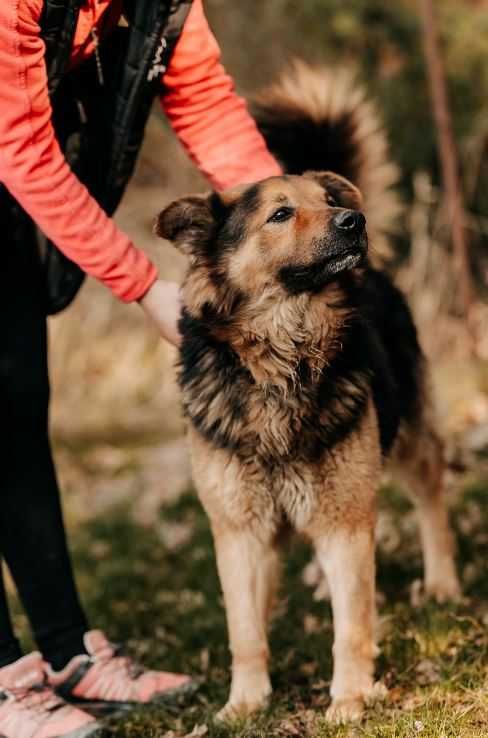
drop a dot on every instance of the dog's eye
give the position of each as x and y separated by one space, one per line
280 215
331 201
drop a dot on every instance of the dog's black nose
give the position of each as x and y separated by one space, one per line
349 221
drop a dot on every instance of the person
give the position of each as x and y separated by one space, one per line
41 192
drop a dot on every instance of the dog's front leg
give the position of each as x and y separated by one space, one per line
247 568
348 561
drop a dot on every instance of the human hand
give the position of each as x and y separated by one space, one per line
162 304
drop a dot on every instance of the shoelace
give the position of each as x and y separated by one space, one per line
39 697
114 655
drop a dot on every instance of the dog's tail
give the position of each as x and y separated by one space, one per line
319 119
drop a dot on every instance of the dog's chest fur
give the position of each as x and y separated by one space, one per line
282 403
274 402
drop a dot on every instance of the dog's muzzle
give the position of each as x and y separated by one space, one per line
343 247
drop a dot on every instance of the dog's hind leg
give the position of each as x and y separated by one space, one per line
248 568
348 561
314 576
418 464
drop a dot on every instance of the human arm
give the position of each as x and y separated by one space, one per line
210 119
34 170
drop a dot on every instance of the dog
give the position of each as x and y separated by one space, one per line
302 376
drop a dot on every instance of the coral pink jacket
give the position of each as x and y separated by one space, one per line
210 119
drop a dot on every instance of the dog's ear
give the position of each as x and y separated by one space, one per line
189 223
345 194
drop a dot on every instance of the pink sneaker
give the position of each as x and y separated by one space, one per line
30 709
105 680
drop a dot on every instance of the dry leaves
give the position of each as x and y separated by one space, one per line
427 672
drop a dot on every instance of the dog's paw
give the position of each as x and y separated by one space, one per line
246 697
351 709
234 711
445 589
345 710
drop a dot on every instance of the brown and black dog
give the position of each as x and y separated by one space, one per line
301 376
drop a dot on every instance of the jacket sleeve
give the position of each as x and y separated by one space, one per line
34 170
210 119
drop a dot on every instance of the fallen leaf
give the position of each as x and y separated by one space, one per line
198 730
427 672
289 728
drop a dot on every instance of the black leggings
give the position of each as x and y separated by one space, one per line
32 536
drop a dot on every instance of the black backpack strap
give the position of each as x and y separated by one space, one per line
107 142
58 26
154 30
176 20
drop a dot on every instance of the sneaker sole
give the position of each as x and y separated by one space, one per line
102 708
86 732
175 696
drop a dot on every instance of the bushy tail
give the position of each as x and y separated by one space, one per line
319 119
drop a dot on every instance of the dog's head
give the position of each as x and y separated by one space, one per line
294 233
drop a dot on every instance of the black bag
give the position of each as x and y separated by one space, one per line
100 109
63 278
82 119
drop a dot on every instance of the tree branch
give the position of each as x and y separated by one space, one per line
448 156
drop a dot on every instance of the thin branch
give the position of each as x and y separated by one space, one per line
448 155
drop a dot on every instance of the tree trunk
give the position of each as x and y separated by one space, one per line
448 156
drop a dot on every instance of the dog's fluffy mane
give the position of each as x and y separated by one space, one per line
314 118
320 359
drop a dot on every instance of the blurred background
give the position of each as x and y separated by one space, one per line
142 547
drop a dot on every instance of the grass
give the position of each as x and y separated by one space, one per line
156 588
